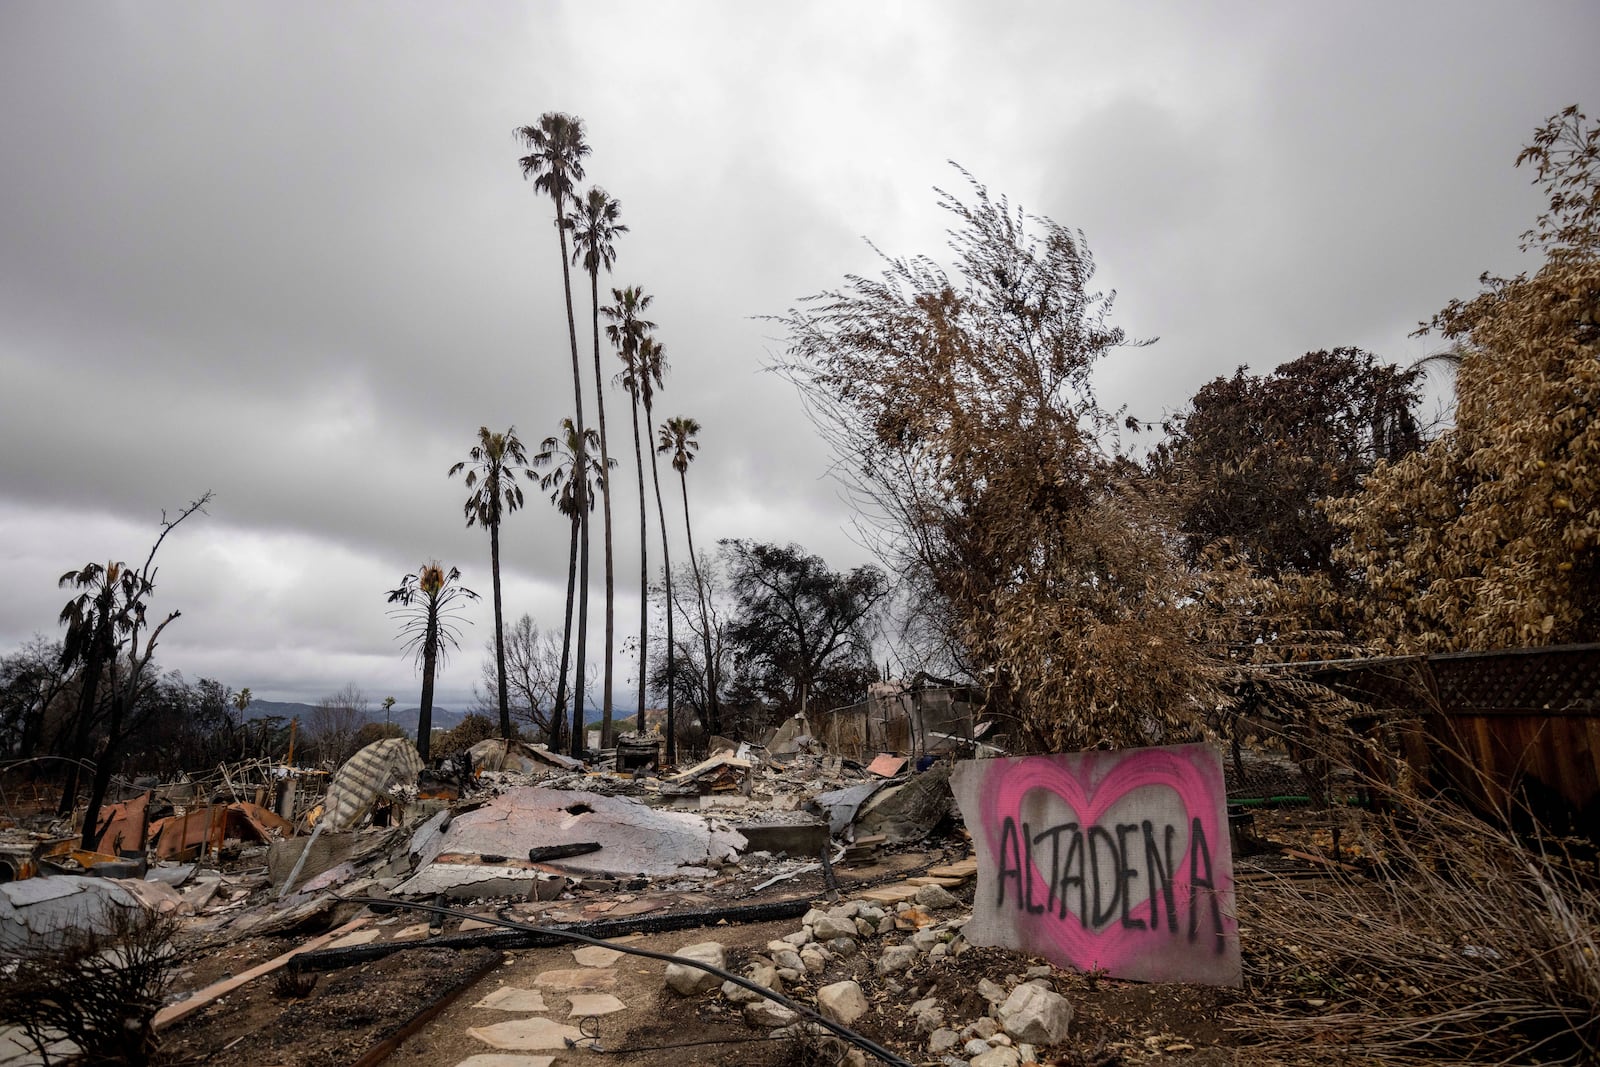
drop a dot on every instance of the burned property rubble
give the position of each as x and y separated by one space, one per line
765 899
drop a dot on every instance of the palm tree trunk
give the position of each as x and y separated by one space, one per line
580 495
644 570
430 652
713 712
605 502
499 629
558 720
666 572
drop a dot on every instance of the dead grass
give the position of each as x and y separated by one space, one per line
1466 943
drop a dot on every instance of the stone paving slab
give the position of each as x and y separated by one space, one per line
532 1033
593 1004
595 956
577 978
359 937
500 1059
510 998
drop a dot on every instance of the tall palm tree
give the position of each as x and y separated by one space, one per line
555 163
595 230
651 372
565 454
678 437
628 327
495 493
427 613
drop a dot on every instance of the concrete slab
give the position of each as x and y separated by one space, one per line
889 894
510 998
595 956
634 839
576 979
533 1033
468 881
593 1004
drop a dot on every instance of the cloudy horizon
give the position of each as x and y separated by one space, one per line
284 253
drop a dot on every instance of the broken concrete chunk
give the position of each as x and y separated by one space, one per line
688 981
1036 1015
843 1002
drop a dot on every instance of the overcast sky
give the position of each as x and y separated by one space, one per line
284 252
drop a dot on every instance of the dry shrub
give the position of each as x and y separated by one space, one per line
1469 944
100 991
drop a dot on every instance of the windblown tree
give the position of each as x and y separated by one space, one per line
627 330
1490 536
595 230
429 603
678 437
963 418
565 454
556 149
110 642
800 631
492 480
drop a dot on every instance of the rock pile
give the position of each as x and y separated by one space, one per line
888 946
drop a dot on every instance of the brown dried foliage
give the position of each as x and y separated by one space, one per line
1467 944
963 418
1488 538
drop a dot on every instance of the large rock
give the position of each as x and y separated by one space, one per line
764 1014
843 1002
1036 1015
826 928
933 896
1003 1056
687 981
896 958
764 975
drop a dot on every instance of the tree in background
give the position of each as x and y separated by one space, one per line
1255 457
678 436
652 369
335 722
429 602
685 672
1490 536
627 331
801 632
564 455
595 230
532 673
963 418
34 686
492 479
555 162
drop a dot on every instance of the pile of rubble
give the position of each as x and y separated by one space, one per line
897 947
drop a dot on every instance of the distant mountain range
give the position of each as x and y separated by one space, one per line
405 718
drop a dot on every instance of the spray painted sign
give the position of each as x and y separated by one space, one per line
1112 860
